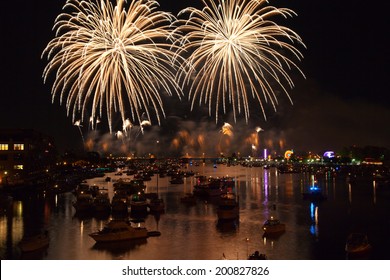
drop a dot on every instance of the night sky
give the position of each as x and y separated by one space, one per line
343 101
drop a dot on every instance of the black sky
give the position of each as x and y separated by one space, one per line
344 99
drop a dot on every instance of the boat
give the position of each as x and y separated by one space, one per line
129 186
213 186
228 207
357 245
273 226
35 242
156 204
138 203
84 203
119 230
82 189
101 202
119 203
257 256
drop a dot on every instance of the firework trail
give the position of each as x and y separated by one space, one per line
78 124
235 51
107 58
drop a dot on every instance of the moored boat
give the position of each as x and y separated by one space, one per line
119 204
273 226
84 203
119 230
213 186
228 207
129 186
101 202
138 203
257 256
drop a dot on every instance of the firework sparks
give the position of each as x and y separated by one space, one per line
227 129
127 125
107 58
258 129
235 51
78 124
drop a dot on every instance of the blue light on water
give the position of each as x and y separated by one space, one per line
312 208
314 188
313 229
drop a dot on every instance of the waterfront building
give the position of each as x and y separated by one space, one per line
25 156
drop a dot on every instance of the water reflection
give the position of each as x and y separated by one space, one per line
35 255
228 226
314 218
117 250
194 231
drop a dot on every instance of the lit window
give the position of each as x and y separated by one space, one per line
18 147
19 166
3 147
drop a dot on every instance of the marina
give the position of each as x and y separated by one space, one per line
314 229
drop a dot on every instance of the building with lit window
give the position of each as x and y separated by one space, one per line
25 155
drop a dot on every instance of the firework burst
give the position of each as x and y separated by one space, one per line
107 58
236 51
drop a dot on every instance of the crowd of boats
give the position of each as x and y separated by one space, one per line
130 195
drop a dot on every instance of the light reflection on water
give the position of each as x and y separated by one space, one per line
313 230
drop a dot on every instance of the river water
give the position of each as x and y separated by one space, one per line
314 230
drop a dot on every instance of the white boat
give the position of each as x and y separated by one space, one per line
118 230
273 226
34 243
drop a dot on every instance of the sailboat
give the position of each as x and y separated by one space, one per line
156 204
